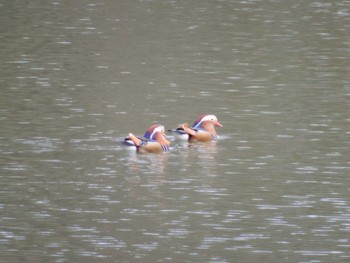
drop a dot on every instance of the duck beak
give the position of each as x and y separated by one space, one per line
218 124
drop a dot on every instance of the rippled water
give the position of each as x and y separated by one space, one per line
76 77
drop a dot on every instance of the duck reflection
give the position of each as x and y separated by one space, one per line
146 163
204 155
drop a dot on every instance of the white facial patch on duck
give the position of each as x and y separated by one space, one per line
199 122
150 135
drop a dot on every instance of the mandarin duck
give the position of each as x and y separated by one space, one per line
202 130
154 140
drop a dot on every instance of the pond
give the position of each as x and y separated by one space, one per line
78 76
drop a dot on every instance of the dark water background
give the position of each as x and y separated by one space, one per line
77 76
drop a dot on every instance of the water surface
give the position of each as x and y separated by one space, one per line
76 77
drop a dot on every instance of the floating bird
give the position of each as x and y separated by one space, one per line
155 140
202 130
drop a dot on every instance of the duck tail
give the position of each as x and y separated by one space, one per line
137 141
185 127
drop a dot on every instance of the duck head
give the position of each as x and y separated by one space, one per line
205 119
151 133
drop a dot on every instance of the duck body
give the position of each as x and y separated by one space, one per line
154 141
203 129
180 134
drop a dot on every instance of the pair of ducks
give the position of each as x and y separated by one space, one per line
203 130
